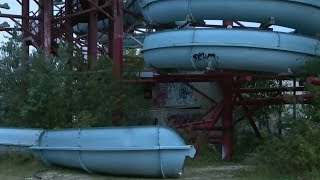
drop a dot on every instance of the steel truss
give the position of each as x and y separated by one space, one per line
52 24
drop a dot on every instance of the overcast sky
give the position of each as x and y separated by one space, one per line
15 8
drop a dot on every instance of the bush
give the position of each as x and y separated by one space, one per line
46 92
207 154
297 152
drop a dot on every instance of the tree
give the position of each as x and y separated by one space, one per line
297 151
45 92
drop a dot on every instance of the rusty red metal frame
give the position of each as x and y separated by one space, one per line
18 16
60 26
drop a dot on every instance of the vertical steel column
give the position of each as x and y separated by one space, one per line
68 22
92 36
25 23
41 24
116 49
69 29
227 118
227 24
47 26
227 114
294 94
117 34
280 112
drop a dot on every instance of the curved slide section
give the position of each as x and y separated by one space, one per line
302 15
135 41
250 50
103 25
18 140
151 151
129 42
83 27
136 151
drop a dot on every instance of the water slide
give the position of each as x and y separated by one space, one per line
155 151
103 25
197 49
234 48
149 151
301 15
215 49
18 140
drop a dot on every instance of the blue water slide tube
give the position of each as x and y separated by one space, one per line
130 41
103 25
83 27
250 50
136 151
18 140
302 15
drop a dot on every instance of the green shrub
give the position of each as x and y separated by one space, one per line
207 154
297 152
46 92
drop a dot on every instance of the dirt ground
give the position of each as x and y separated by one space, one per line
36 170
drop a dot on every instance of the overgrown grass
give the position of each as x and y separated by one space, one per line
205 156
16 166
264 174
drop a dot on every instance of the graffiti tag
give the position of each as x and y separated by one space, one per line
203 56
184 94
181 118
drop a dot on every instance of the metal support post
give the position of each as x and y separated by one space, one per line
68 22
47 26
117 41
92 36
69 30
294 94
280 113
25 5
227 119
228 24
115 49
25 24
248 115
41 24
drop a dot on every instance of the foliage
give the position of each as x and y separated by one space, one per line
311 68
261 114
297 152
46 92
245 143
265 174
245 140
207 154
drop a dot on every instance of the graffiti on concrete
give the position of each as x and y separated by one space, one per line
173 94
160 96
179 118
184 94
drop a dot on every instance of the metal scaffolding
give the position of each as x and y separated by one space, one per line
53 22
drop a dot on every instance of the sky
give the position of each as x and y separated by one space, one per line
15 8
